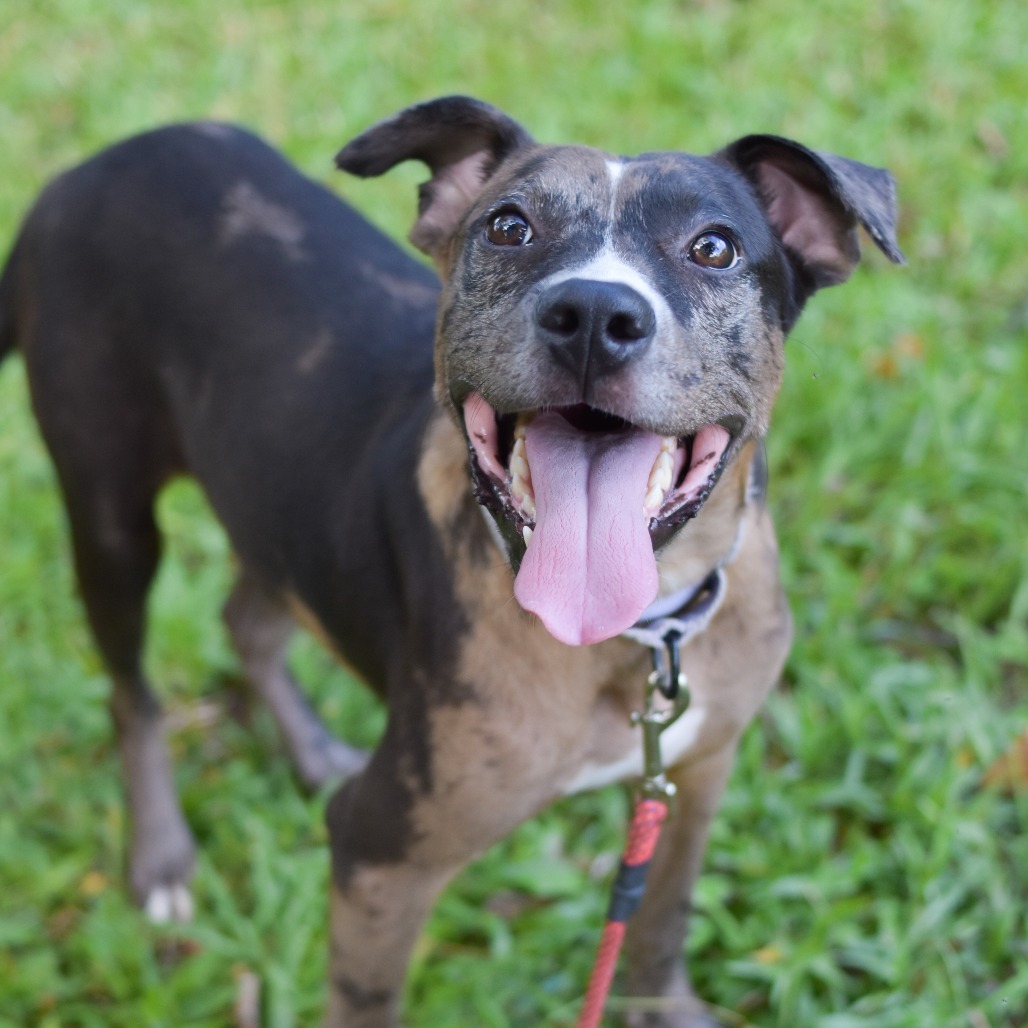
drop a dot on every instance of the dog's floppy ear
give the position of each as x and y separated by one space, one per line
815 201
462 140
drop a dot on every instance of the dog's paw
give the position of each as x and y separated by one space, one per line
672 1019
677 1008
167 903
328 762
161 862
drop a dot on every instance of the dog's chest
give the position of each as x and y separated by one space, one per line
675 743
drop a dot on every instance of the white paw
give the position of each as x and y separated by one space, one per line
169 903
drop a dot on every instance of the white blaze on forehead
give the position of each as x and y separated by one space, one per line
607 265
614 169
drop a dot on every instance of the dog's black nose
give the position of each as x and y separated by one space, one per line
594 328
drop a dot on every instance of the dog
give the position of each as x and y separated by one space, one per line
479 528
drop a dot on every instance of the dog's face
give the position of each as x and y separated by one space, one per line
611 329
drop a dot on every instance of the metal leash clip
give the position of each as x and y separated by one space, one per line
669 680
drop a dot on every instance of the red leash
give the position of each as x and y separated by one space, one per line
651 810
626 894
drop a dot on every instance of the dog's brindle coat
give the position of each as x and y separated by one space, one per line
187 302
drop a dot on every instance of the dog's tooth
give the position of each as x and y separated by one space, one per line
521 475
519 467
524 419
653 500
521 493
526 534
664 472
519 486
661 473
524 501
519 457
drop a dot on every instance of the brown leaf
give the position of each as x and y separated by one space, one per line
884 365
1010 771
991 137
909 345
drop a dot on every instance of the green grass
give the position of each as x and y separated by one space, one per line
859 873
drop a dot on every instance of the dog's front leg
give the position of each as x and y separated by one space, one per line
657 930
445 783
398 832
375 920
379 897
731 668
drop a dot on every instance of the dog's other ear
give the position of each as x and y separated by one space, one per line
460 139
815 200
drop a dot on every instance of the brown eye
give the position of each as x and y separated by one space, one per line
713 250
508 228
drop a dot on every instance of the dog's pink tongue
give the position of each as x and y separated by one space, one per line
589 571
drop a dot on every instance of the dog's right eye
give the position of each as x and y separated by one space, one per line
508 228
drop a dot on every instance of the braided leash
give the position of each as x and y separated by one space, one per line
626 894
651 810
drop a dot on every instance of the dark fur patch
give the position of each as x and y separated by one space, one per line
360 999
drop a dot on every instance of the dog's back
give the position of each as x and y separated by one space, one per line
186 301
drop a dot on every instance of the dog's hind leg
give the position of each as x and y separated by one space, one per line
260 628
117 549
113 448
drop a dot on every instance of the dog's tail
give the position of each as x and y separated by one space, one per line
8 325
9 296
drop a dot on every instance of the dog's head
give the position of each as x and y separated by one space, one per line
611 329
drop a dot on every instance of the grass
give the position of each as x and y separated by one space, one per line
860 873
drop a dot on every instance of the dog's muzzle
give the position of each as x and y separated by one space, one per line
590 497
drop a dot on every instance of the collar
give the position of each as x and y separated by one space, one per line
685 613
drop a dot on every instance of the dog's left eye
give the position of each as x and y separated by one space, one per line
508 228
713 250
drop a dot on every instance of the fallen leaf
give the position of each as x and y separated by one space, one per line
991 137
1009 772
768 954
909 345
93 883
884 365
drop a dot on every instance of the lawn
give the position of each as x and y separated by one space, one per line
866 869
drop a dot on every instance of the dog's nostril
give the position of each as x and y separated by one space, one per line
562 318
626 328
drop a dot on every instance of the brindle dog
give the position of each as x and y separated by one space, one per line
608 344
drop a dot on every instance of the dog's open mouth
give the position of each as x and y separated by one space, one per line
591 496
